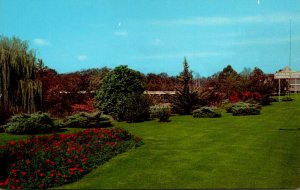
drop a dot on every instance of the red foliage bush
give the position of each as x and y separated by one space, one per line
47 161
87 106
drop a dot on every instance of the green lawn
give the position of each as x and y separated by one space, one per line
228 152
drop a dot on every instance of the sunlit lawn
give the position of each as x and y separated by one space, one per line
228 152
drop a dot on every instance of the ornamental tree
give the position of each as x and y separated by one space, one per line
19 89
185 99
116 92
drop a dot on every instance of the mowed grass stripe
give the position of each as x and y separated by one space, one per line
228 152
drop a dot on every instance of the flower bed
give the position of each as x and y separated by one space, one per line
53 160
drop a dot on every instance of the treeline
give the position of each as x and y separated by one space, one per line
27 85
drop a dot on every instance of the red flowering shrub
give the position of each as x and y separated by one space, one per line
87 106
47 161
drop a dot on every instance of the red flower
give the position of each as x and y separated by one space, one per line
23 173
27 161
12 143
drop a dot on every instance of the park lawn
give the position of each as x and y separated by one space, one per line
228 152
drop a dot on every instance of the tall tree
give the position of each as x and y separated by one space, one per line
121 92
18 88
184 100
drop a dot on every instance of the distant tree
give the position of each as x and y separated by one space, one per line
229 81
160 82
19 89
118 90
259 82
184 100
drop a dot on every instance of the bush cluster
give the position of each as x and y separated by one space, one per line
161 112
53 160
205 112
86 120
36 123
243 108
287 99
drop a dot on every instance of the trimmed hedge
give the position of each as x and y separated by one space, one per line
30 124
161 112
206 112
86 120
243 108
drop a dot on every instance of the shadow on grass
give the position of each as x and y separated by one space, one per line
283 129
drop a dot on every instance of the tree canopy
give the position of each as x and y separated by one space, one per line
117 88
18 88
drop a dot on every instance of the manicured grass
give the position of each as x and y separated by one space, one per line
228 152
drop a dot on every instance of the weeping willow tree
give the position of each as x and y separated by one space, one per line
18 88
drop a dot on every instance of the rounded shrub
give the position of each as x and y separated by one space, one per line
36 123
206 112
137 108
86 120
243 108
161 112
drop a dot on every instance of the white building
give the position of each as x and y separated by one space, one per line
292 77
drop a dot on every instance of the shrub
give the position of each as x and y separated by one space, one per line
86 120
53 160
243 108
117 89
161 112
137 108
230 107
36 123
206 112
287 99
272 99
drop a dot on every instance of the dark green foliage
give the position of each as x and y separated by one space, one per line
287 99
205 112
184 100
86 120
5 114
272 99
137 108
161 112
265 100
116 90
36 123
243 108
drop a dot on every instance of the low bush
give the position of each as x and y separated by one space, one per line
272 99
243 108
230 107
287 99
86 120
161 112
205 112
36 123
53 160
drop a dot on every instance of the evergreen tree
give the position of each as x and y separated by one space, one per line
121 92
18 88
184 100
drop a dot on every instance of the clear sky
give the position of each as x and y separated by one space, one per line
155 35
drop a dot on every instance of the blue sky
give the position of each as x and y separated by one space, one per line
155 35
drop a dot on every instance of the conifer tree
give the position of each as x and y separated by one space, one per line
184 100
